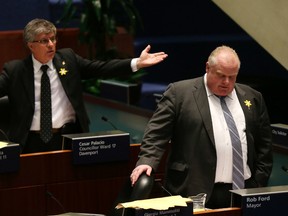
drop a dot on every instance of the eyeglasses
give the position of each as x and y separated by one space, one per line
46 41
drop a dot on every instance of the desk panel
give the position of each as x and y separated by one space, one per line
23 201
48 183
82 188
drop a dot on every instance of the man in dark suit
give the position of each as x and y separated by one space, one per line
20 80
189 117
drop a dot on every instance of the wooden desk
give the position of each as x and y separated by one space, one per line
48 183
220 212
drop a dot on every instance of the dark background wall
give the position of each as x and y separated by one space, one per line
188 30
16 13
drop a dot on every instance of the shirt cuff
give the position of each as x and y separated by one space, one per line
134 64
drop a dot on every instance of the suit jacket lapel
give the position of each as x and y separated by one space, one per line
245 100
60 66
28 79
203 106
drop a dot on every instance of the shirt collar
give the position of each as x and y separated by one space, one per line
37 65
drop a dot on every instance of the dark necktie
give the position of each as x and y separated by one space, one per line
46 113
238 171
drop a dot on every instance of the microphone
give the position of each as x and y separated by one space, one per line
114 127
285 169
5 135
55 199
107 120
158 181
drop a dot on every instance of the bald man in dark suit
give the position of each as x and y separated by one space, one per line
189 115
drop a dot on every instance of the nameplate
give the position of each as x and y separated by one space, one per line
261 201
9 157
280 134
99 147
175 211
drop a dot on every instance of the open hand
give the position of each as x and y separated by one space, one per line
147 59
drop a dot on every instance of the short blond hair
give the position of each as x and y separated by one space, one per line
213 60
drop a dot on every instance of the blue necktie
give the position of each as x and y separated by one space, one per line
46 113
238 171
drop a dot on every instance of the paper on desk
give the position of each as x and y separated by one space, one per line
3 144
162 203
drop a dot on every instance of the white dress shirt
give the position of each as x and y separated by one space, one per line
62 110
222 137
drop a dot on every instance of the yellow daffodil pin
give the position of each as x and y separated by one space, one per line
63 71
248 103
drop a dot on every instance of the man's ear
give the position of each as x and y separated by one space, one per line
207 66
30 46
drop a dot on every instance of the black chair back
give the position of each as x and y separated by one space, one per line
141 190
